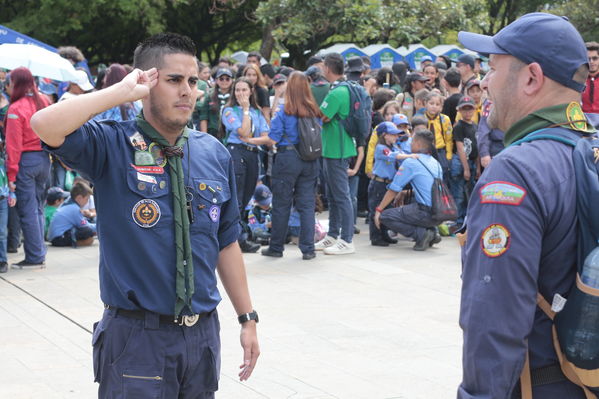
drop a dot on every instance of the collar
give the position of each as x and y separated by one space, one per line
569 116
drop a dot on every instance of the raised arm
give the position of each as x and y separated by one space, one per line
54 123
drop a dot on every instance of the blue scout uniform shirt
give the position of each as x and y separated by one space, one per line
385 161
232 119
406 145
283 128
135 213
68 216
414 172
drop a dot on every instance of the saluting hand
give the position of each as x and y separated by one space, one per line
140 82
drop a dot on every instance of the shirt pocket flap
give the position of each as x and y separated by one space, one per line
147 185
212 191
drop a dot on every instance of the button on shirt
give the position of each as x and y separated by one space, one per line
135 214
232 119
414 172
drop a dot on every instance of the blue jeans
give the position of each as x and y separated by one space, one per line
32 178
460 188
341 213
293 183
354 182
3 228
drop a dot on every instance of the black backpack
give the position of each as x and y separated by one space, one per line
358 122
443 205
310 138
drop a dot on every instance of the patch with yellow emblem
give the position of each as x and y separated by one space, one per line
495 240
576 117
500 192
146 213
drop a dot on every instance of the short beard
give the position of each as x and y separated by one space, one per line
495 121
171 125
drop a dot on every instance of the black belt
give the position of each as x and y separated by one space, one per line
380 179
543 376
245 147
164 319
284 148
424 207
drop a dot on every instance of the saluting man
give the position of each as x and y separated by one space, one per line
521 219
169 193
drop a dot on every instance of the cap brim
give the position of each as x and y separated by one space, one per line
482 44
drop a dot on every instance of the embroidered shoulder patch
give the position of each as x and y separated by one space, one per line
576 117
495 240
146 213
500 192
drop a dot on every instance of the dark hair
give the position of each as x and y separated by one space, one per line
437 83
226 60
592 46
150 53
419 121
446 60
202 66
233 100
100 78
23 85
299 100
385 74
400 70
366 60
381 97
335 63
80 188
71 53
255 54
453 77
315 59
427 138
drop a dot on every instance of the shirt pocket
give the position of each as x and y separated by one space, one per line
147 200
209 196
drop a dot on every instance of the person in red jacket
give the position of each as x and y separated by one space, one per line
27 166
590 96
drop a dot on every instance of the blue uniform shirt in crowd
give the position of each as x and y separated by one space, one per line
68 216
232 118
521 240
406 145
135 212
385 161
414 172
283 128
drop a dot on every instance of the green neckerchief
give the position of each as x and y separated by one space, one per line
184 283
569 116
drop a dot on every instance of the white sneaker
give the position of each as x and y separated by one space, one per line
340 248
326 242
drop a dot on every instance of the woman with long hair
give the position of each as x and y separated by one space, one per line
242 119
214 102
253 73
293 179
124 112
27 165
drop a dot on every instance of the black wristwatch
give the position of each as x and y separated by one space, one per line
253 315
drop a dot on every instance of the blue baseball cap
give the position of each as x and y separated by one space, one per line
263 195
387 127
400 119
549 40
426 58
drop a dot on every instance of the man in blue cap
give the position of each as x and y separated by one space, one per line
521 220
167 219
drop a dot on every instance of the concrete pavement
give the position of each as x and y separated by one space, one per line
382 323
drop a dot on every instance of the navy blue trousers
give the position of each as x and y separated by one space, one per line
34 169
145 359
293 182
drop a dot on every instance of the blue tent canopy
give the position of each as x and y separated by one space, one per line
382 55
8 35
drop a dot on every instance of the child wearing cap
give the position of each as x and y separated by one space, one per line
391 113
69 227
440 125
259 215
386 157
465 165
54 199
474 91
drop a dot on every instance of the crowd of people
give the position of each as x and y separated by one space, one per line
255 110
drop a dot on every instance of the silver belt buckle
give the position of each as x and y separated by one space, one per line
189 320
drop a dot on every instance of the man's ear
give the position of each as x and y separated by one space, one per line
534 79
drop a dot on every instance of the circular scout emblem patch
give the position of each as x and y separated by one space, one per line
146 213
214 213
576 116
495 240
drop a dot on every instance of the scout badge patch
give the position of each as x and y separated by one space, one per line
146 213
144 158
214 213
138 142
495 240
499 192
158 154
576 117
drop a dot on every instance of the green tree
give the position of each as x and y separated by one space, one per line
584 15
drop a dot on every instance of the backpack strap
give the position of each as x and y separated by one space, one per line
563 136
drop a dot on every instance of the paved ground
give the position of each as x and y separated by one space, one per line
378 324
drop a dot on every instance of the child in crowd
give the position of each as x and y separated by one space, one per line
386 157
474 91
420 101
389 110
89 210
419 123
440 125
7 199
259 217
68 226
465 165
54 199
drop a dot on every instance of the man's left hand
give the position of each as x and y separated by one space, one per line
251 349
377 219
